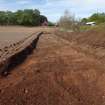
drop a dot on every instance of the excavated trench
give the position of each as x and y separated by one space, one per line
18 57
54 74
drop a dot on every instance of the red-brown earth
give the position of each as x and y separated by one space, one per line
55 74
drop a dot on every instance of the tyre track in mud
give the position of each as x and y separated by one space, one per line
54 74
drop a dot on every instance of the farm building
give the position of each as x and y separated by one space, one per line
45 23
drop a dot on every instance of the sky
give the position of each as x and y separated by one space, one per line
54 9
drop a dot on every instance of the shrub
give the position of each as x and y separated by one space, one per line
68 22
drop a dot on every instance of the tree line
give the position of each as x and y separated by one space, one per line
26 17
96 17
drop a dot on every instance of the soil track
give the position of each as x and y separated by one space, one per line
55 74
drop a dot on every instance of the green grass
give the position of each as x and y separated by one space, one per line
100 27
86 28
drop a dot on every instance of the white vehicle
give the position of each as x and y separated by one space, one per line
91 23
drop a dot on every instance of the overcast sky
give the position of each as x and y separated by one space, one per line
53 9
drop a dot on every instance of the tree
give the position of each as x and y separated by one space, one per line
36 12
26 17
67 21
2 18
51 24
96 17
84 20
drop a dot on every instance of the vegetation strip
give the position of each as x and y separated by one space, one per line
20 55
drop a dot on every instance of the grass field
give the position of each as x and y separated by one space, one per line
99 27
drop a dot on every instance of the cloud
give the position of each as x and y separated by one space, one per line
23 1
53 9
81 8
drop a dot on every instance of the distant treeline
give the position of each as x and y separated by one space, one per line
27 17
96 17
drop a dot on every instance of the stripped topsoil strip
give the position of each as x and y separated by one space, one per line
16 53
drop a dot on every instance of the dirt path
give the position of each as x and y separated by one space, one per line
55 74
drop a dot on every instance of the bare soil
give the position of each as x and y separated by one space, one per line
90 42
55 74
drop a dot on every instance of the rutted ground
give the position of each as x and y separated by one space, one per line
55 74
